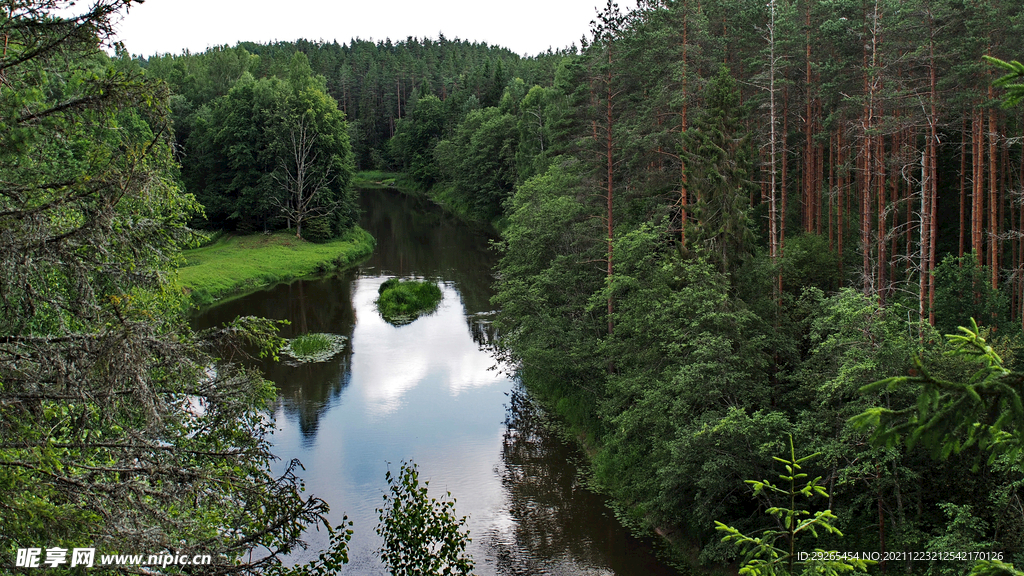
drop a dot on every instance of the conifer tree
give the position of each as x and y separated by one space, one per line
119 426
719 163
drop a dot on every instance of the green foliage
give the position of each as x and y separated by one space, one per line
479 162
853 341
313 347
994 568
980 409
402 301
119 425
416 135
986 410
684 354
535 143
964 532
255 152
422 535
963 290
774 552
548 281
1014 91
309 344
330 560
318 230
720 175
807 262
231 157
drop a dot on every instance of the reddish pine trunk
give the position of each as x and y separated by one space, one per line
993 225
840 229
882 223
926 227
808 145
977 200
782 180
963 175
933 233
934 186
831 186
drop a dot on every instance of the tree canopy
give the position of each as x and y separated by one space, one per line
121 429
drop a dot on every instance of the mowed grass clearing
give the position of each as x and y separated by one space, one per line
238 264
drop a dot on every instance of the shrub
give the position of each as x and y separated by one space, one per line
422 535
318 230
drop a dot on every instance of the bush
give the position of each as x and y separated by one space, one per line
963 290
401 302
318 230
422 535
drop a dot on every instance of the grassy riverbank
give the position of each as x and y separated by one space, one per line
238 264
439 194
379 180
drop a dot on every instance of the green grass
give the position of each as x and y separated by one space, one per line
402 301
235 265
313 347
310 344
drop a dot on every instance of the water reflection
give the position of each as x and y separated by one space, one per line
428 391
555 525
398 358
415 238
305 391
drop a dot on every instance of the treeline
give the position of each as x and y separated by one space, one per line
234 118
260 153
726 218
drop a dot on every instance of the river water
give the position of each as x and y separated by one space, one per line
431 392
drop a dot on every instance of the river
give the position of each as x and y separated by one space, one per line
431 392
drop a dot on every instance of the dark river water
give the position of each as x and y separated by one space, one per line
431 392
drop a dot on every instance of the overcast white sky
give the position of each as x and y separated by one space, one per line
524 26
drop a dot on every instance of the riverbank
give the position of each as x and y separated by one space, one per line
398 181
379 180
573 419
234 265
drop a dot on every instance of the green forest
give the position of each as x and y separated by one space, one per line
733 234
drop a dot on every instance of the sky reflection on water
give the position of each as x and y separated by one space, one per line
429 391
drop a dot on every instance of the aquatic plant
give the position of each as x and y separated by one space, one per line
402 301
314 347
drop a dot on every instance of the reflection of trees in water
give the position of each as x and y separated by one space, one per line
323 305
305 391
481 328
549 507
415 236
559 527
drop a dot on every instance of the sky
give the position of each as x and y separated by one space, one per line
525 26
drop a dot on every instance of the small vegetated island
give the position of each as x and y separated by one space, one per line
402 301
313 347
